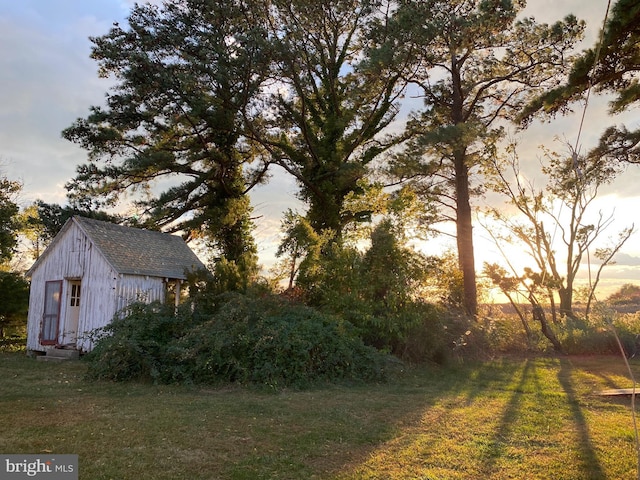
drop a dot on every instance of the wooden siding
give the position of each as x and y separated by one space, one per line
104 292
133 288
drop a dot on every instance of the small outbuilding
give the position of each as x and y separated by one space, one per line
91 270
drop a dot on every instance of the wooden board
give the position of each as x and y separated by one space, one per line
614 392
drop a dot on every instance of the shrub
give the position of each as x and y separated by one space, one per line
257 341
234 338
596 336
134 345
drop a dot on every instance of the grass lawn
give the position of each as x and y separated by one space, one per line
533 418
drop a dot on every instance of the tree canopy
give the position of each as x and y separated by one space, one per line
333 104
476 64
209 97
9 210
173 128
611 67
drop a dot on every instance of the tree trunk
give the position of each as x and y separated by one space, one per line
566 302
464 233
539 315
464 227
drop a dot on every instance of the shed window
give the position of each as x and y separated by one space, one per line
75 295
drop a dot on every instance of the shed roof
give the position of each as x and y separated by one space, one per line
135 251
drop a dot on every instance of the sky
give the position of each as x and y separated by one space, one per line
47 81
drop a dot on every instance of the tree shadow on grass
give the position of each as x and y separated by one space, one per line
498 446
490 417
518 405
588 458
414 449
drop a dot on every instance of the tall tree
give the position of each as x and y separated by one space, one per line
333 102
476 65
186 75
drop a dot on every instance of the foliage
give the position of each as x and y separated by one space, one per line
301 246
14 303
500 333
236 338
14 343
597 334
381 291
134 345
333 103
476 64
611 66
289 345
9 224
186 74
627 294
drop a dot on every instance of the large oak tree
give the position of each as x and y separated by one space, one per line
331 104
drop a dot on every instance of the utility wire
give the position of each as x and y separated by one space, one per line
579 173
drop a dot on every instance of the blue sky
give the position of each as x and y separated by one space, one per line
47 80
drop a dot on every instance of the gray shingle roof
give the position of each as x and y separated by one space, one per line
140 252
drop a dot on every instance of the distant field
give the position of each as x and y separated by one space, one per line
515 418
508 309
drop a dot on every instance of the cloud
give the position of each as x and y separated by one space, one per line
624 259
48 81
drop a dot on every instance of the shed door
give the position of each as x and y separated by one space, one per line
73 313
51 316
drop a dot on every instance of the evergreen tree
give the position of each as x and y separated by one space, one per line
173 130
476 64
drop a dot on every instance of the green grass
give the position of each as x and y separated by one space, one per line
507 419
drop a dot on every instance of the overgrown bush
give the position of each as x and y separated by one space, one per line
500 332
379 291
627 327
134 345
234 339
258 342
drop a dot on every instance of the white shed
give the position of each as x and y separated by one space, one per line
93 269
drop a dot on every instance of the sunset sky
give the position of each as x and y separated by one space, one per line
48 80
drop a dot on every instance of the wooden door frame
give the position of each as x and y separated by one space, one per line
44 314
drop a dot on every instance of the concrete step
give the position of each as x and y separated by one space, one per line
59 355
